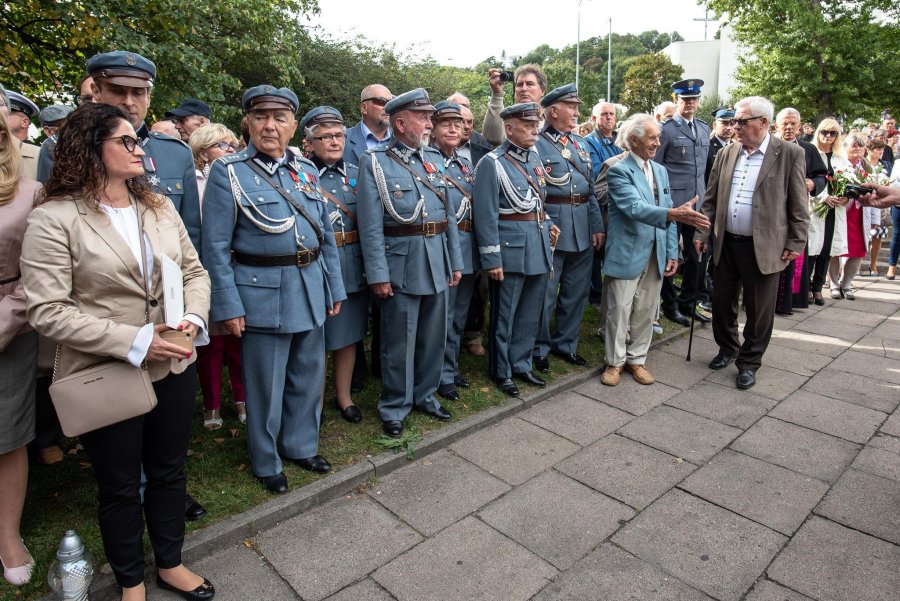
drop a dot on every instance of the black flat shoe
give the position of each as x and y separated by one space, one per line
276 484
507 386
531 378
541 363
316 464
720 361
351 413
392 428
448 392
784 313
573 358
678 318
462 382
192 509
440 414
746 378
204 591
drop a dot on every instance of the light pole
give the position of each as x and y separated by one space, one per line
609 64
578 45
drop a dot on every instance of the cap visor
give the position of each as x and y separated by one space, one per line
130 82
267 104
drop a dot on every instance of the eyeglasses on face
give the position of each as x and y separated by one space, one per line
377 100
828 133
743 122
223 146
329 137
127 141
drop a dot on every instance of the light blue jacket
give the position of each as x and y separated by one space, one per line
460 170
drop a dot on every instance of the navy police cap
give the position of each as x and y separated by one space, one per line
19 103
414 100
269 97
321 115
724 112
566 93
446 110
688 88
122 68
527 111
189 107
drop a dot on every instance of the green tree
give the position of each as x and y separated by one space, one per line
824 57
647 82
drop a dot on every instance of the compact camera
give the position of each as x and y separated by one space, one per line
506 76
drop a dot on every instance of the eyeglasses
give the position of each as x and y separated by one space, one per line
828 133
127 141
329 137
743 122
223 146
377 100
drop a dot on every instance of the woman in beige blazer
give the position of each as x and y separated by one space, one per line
83 274
18 360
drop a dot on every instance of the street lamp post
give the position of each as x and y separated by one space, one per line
609 64
578 45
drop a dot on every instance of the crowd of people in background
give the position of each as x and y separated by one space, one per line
409 225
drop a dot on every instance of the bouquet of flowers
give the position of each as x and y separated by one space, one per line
837 185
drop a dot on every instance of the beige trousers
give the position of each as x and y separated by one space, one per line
636 302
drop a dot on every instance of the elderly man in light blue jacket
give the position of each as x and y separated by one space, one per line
641 247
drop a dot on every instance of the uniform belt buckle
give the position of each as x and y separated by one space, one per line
303 258
574 199
429 229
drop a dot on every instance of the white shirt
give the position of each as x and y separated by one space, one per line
739 220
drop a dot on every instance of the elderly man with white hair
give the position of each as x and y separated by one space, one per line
642 247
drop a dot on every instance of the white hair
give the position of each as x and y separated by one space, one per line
663 107
758 106
635 127
788 112
310 132
595 112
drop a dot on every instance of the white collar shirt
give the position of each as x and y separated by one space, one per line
739 220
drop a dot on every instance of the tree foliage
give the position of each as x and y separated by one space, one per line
648 81
824 57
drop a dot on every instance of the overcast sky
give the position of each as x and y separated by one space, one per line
465 32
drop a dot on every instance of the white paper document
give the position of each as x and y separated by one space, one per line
173 287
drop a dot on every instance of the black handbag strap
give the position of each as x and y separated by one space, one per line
291 201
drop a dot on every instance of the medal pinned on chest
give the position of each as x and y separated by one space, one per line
565 152
539 172
432 169
150 169
348 183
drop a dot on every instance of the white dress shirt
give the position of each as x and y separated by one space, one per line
739 220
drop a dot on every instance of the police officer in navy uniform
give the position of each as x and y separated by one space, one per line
324 134
269 247
684 145
410 245
513 233
722 135
446 136
125 79
572 205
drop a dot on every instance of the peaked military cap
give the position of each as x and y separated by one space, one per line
54 113
269 97
414 100
446 110
527 111
687 88
566 93
321 115
724 112
122 68
189 107
19 103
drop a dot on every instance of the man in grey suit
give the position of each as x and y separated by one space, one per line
374 128
757 203
410 247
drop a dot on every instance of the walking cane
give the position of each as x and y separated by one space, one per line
701 273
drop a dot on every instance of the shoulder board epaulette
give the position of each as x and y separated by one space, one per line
236 157
700 120
666 120
165 137
306 162
348 165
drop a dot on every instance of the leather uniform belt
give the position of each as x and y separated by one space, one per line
738 238
575 199
465 225
349 237
301 258
15 278
427 229
519 217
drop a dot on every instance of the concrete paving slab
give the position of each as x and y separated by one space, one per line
788 359
773 496
626 470
702 351
609 573
889 328
886 442
876 368
839 328
879 346
674 370
892 424
766 590
879 462
844 420
576 417
514 450
770 382
846 313
854 388
680 433
467 561
724 404
829 562
436 491
365 590
356 534
629 396
709 548
820 343
865 502
872 295
796 448
556 517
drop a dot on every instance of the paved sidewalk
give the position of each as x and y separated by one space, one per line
685 490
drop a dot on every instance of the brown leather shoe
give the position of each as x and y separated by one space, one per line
50 455
640 374
611 375
476 349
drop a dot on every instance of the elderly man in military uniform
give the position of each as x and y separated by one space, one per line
269 247
410 245
22 112
683 148
572 206
513 233
124 80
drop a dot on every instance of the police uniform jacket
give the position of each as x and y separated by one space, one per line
684 156
715 145
521 247
567 178
460 170
420 265
239 207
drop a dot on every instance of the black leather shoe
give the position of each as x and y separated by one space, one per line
276 484
541 363
678 318
392 428
508 386
573 358
316 464
746 378
720 361
440 414
192 509
462 382
784 313
448 392
351 413
204 591
531 378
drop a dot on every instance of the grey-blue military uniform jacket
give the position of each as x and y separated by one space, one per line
460 170
521 247
420 265
684 156
576 223
340 180
238 207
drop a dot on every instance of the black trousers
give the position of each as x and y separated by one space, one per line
737 268
684 301
158 440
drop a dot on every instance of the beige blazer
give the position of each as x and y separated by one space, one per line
85 291
13 218
30 154
780 203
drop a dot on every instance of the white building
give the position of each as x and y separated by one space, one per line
713 61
